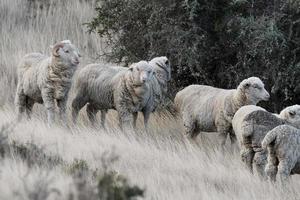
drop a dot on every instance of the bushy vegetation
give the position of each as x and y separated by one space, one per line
218 42
102 183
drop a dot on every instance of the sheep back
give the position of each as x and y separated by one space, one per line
284 141
257 124
253 121
98 82
109 87
205 104
33 74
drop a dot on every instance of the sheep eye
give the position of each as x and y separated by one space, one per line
256 86
67 51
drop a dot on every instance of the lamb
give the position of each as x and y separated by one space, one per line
126 90
283 143
162 72
251 124
43 79
210 109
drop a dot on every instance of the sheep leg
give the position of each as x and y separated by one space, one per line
189 126
20 102
135 115
103 117
126 120
21 106
271 168
62 105
223 129
29 105
284 169
260 162
247 153
146 118
247 156
49 102
222 137
91 111
77 104
232 137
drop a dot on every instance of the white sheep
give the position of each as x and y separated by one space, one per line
283 144
210 109
126 90
43 79
251 124
162 72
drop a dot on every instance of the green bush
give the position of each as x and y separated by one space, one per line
219 42
115 187
104 184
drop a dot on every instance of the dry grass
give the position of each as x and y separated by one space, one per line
160 161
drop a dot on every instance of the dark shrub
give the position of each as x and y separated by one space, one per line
219 42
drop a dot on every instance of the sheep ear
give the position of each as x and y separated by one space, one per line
55 49
167 62
130 68
292 113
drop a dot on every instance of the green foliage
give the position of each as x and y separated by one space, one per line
111 185
78 166
218 42
30 153
34 155
104 184
115 187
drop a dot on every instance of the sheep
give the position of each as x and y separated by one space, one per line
283 144
126 90
162 72
251 123
43 79
210 109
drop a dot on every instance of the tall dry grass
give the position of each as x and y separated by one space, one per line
161 161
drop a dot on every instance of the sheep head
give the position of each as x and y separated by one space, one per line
253 90
66 52
140 73
162 68
291 115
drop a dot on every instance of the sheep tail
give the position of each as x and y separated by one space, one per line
269 138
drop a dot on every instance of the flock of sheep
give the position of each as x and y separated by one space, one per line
268 141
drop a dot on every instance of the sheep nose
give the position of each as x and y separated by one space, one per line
267 96
144 79
76 61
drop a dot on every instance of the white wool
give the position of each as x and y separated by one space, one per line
159 84
43 79
209 109
105 87
251 124
283 144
